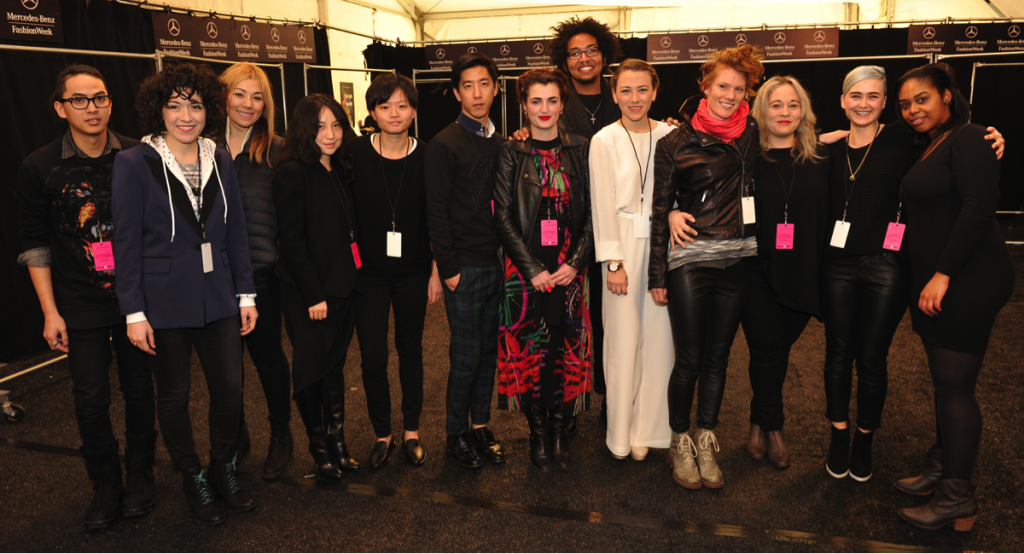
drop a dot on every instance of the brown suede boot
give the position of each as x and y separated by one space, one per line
953 502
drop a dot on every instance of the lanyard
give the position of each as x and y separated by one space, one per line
405 162
783 184
853 174
344 205
650 147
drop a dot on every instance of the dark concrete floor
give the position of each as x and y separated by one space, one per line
600 505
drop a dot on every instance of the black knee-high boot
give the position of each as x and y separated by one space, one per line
559 439
310 404
334 407
540 453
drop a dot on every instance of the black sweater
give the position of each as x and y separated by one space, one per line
460 190
874 196
792 274
378 185
64 205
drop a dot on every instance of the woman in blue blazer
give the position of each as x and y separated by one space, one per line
184 275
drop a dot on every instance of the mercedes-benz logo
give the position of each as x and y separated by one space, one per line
538 48
30 4
302 36
1013 31
665 42
971 32
211 29
504 50
173 27
929 33
440 53
471 50
741 39
819 36
702 40
780 37
275 35
246 33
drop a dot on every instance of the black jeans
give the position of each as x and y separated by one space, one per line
264 344
407 295
770 329
863 299
220 354
89 357
704 306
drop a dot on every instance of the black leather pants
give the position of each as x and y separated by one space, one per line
863 299
704 305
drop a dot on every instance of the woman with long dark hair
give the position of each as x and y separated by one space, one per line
961 276
318 270
542 208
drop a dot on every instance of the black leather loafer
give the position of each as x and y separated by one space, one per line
381 454
487 446
463 453
414 453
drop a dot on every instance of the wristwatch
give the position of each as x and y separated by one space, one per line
614 266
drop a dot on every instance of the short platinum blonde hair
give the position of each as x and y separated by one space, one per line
863 73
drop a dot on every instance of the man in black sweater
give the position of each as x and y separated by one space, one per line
460 218
66 227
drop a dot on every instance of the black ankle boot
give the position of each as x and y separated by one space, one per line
953 502
104 469
201 501
244 440
310 404
838 463
860 456
559 440
224 481
540 453
334 406
279 455
140 490
923 484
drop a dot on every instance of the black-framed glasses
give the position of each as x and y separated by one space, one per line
82 102
590 52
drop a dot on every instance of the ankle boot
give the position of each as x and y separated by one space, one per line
758 444
559 440
108 491
140 491
838 463
540 453
223 476
201 501
682 458
953 502
279 454
334 409
244 439
860 456
707 461
778 454
924 484
310 404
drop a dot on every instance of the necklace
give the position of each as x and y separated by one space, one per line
593 114
853 174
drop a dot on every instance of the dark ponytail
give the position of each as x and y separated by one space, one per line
940 76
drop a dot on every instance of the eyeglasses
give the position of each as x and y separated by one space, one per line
590 52
82 102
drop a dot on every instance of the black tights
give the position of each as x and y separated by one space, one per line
957 414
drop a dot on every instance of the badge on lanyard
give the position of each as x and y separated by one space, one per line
641 225
394 244
355 255
549 232
839 234
103 255
894 236
749 217
784 236
207 250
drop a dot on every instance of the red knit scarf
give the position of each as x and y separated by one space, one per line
726 130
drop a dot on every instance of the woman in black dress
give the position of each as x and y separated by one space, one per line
318 270
961 276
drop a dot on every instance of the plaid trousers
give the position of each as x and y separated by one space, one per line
472 311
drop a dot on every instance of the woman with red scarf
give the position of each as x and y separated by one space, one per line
706 167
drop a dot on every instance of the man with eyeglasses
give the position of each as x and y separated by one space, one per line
65 227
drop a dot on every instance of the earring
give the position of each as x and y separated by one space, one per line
947 101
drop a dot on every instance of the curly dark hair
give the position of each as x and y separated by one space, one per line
300 140
187 81
541 76
607 42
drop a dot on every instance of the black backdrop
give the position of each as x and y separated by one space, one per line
30 121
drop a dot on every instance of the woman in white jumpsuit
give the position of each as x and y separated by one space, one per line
638 342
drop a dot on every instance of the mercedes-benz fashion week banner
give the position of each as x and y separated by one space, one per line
234 40
522 53
788 44
965 38
31 20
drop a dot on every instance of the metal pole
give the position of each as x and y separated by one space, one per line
416 120
159 61
284 97
305 78
33 368
974 73
74 51
984 55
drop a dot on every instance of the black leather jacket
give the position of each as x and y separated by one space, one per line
517 196
708 178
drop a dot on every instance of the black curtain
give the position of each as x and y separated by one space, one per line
31 122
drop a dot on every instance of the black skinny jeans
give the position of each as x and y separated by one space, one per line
407 295
264 344
863 299
220 354
89 357
770 329
704 306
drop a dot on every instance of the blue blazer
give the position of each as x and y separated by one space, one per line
165 279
